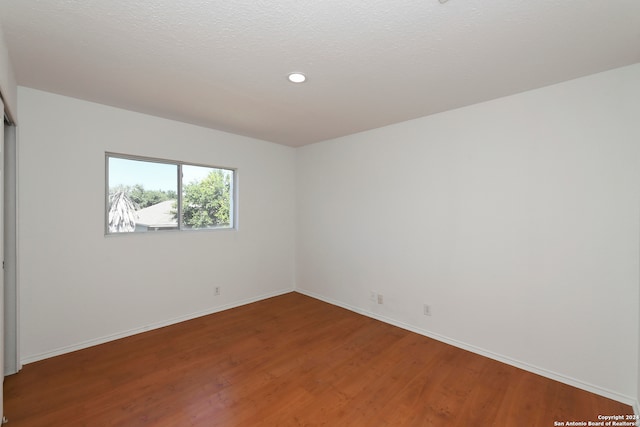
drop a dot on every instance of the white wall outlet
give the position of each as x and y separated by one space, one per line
216 291
427 310
380 299
373 296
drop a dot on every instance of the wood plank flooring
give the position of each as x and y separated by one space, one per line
288 361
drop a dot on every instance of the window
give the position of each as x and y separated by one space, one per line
151 195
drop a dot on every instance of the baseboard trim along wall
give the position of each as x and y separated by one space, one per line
527 367
124 334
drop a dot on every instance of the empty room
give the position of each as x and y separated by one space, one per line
335 213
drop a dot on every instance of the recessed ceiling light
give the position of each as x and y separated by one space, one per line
297 77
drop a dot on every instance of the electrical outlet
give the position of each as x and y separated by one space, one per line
427 310
380 299
373 296
216 291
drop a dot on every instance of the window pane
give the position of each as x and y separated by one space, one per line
142 196
207 197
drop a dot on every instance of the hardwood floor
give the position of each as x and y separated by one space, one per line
288 361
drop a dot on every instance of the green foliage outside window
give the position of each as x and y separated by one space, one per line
207 203
142 198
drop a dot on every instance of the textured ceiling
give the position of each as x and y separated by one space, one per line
223 64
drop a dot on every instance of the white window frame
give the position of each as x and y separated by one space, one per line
179 189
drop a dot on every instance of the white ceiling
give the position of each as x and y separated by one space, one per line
370 63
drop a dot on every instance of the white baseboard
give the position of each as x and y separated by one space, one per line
627 400
124 334
527 367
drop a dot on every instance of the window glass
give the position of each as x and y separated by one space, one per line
206 197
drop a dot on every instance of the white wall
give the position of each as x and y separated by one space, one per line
517 220
79 287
